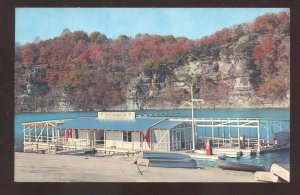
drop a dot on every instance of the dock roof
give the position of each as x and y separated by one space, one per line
137 124
167 124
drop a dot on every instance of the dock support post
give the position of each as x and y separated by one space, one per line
35 132
24 138
229 132
248 143
223 136
47 134
239 142
218 137
258 136
94 138
268 136
57 136
212 132
87 138
52 136
104 137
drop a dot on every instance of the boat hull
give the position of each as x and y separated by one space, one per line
169 160
167 163
224 164
274 149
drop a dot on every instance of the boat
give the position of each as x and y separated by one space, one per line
164 155
169 160
225 164
281 141
173 163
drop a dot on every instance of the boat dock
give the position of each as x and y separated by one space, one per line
232 137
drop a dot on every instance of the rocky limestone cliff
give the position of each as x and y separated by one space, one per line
233 66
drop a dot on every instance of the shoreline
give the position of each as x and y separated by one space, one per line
33 167
181 109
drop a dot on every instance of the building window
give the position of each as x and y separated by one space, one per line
127 136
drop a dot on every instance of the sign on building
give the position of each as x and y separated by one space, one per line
116 115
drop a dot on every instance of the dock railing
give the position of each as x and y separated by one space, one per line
231 142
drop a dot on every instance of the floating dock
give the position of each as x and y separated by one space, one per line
228 136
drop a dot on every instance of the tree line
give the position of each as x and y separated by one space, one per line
92 71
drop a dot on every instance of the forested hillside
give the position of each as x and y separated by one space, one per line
246 65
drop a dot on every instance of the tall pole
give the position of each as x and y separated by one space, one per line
193 125
24 138
258 136
239 141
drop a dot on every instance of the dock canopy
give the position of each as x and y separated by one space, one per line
167 124
137 124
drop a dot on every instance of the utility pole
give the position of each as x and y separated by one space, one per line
193 125
191 102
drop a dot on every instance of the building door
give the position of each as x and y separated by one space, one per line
182 140
160 140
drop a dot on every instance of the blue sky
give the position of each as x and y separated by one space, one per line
192 23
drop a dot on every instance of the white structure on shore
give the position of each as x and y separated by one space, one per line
124 132
111 130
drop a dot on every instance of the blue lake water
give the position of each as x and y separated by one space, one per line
266 159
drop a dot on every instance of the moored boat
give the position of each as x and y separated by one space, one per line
169 160
281 141
173 163
164 155
225 164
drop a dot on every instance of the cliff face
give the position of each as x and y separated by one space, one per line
233 68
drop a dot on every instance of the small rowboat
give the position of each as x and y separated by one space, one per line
225 164
169 160
164 155
173 163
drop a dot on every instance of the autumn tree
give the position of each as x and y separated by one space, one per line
93 71
29 54
274 89
272 23
264 55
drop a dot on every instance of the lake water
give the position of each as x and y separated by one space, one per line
282 157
